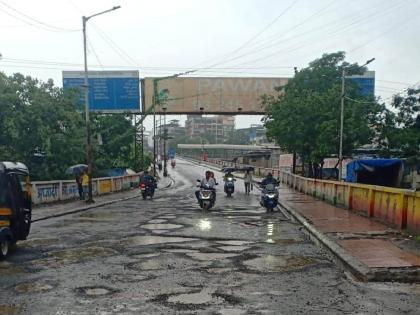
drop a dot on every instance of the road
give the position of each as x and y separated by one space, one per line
166 256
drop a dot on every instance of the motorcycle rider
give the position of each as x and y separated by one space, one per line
269 179
149 181
208 179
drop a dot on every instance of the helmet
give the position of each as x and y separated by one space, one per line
269 175
208 174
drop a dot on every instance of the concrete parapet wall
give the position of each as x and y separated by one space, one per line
399 208
60 190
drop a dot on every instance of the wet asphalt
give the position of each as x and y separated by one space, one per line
167 256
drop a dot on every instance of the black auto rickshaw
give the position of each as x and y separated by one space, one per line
15 205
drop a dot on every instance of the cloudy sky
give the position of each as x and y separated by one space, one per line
218 37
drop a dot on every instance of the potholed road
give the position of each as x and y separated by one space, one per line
166 256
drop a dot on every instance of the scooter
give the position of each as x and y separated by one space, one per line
206 196
173 164
229 186
270 197
146 191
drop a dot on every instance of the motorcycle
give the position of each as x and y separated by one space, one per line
270 197
206 196
173 164
146 190
229 186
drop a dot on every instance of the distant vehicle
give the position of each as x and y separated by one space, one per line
173 163
229 184
146 191
15 205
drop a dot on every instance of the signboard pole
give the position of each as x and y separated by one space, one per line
154 125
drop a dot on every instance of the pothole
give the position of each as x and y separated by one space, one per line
9 309
203 297
33 287
271 263
155 221
234 242
210 256
95 291
234 248
161 226
152 240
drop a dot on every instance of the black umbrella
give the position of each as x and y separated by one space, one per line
77 169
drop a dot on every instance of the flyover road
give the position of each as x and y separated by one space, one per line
166 256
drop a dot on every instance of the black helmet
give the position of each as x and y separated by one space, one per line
269 175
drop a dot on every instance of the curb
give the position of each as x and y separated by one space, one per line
357 268
81 209
96 205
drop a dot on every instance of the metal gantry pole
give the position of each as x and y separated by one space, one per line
88 130
165 134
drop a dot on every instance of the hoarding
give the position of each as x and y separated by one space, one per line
366 82
109 91
211 95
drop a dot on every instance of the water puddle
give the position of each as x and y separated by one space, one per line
180 250
160 231
161 226
219 270
9 309
169 216
231 311
70 256
7 268
204 225
234 248
154 240
234 242
271 263
287 241
33 287
36 242
155 221
203 297
143 256
95 291
210 256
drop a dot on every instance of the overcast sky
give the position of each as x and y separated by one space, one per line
220 37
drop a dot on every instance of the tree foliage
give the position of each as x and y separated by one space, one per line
41 127
305 117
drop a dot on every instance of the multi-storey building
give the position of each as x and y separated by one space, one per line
220 127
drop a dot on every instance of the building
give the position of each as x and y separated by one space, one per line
173 128
220 127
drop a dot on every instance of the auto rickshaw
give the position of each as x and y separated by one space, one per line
15 205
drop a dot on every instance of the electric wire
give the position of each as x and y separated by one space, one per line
57 28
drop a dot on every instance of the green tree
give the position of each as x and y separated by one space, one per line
405 134
305 117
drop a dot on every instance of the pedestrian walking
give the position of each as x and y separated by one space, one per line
248 182
85 184
79 186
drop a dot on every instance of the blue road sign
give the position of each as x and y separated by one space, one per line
366 82
109 91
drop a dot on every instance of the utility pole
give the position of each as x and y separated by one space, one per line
154 124
340 152
165 134
86 86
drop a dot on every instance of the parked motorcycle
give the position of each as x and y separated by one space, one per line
229 185
206 196
146 190
270 197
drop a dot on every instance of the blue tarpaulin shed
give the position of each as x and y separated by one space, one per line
385 172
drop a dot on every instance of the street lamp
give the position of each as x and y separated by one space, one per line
86 86
340 153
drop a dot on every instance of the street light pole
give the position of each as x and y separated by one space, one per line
165 134
340 153
86 86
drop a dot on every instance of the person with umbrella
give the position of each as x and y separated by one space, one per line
78 170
